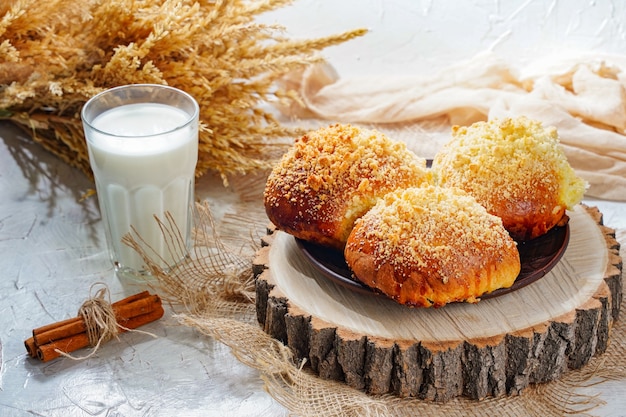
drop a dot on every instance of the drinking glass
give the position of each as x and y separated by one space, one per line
142 141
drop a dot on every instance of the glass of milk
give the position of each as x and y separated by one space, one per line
143 149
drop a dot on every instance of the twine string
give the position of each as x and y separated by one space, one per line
99 318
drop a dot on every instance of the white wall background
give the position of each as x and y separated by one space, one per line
408 36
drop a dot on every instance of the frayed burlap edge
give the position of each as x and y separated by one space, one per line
214 293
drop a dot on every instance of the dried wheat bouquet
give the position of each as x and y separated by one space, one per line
56 54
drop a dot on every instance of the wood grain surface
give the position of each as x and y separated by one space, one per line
495 347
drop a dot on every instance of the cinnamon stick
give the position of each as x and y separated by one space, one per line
123 310
70 344
75 325
71 334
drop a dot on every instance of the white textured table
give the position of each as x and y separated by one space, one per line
53 249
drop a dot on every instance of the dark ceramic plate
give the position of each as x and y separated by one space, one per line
538 257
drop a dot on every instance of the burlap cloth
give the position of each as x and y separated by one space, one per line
214 294
214 291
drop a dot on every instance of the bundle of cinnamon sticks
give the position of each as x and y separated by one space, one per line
69 335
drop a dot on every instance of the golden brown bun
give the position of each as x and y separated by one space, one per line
431 246
332 176
515 168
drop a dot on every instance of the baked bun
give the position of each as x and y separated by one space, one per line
431 246
516 169
332 176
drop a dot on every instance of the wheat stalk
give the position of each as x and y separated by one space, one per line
54 56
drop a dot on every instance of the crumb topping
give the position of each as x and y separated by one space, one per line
435 229
509 160
338 172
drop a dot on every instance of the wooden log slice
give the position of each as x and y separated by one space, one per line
495 347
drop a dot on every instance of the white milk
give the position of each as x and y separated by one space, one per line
147 169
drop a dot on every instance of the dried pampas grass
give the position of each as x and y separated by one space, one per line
55 55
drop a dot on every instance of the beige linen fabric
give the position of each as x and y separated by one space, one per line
583 97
